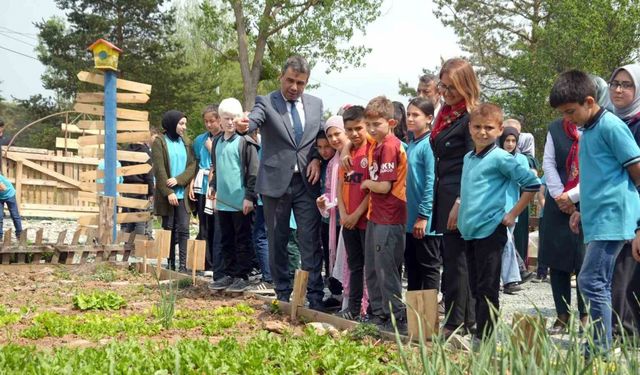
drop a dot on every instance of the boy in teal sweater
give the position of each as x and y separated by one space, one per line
8 197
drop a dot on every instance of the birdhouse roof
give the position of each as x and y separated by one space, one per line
102 41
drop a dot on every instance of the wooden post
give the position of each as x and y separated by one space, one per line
6 258
106 220
162 247
19 165
423 305
195 256
299 292
37 257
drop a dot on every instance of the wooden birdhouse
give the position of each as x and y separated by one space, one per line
105 54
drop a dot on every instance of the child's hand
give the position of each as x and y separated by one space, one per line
208 143
192 195
349 221
173 199
364 186
419 228
452 222
565 204
321 202
509 220
247 206
574 222
172 182
635 247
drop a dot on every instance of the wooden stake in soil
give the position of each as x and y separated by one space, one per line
105 219
162 247
299 292
423 305
195 257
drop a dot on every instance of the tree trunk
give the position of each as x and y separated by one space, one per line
249 89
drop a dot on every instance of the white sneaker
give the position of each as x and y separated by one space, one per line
208 274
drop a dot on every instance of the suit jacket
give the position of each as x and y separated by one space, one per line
449 149
279 150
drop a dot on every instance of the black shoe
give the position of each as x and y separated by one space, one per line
526 276
511 288
348 315
332 303
183 269
221 284
540 279
400 325
318 306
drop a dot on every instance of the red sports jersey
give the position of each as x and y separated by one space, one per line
352 195
388 162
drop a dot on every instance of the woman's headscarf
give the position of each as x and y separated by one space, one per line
602 92
509 130
170 121
633 108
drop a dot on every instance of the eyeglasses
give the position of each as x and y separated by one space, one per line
625 85
442 87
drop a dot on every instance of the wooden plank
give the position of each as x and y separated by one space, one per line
122 113
74 129
299 292
18 185
43 169
130 170
54 158
121 84
120 188
66 215
124 217
122 125
71 143
60 207
141 204
422 313
138 157
126 137
105 219
98 97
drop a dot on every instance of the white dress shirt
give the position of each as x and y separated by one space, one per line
552 177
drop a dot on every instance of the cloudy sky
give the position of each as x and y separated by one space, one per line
405 39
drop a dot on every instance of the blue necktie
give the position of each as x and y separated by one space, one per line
297 123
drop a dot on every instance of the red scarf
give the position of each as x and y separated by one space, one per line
571 164
447 116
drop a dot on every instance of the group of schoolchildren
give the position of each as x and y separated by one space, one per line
448 199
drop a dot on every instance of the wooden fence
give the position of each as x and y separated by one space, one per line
48 182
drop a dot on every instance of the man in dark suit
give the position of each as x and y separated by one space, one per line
289 123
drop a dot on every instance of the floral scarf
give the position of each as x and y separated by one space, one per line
447 116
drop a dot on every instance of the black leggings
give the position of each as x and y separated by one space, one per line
178 224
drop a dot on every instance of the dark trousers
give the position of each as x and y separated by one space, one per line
458 301
625 294
261 244
354 245
276 215
209 230
485 262
335 286
178 224
12 205
422 262
237 250
561 289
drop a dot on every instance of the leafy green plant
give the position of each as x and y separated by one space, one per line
361 331
105 272
7 318
99 300
166 306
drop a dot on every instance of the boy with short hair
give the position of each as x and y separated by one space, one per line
487 174
609 164
199 186
234 167
8 197
353 203
385 233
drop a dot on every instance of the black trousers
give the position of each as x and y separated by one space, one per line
237 248
458 300
354 245
335 286
178 224
485 262
625 294
276 215
561 289
422 262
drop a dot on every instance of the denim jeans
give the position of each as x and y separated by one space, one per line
510 271
12 205
261 244
594 281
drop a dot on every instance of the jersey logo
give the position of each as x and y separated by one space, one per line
373 171
363 163
387 167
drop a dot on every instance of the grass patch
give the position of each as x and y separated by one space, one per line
105 273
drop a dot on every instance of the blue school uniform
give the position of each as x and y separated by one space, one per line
486 177
513 192
204 157
609 202
230 186
420 180
177 161
9 191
